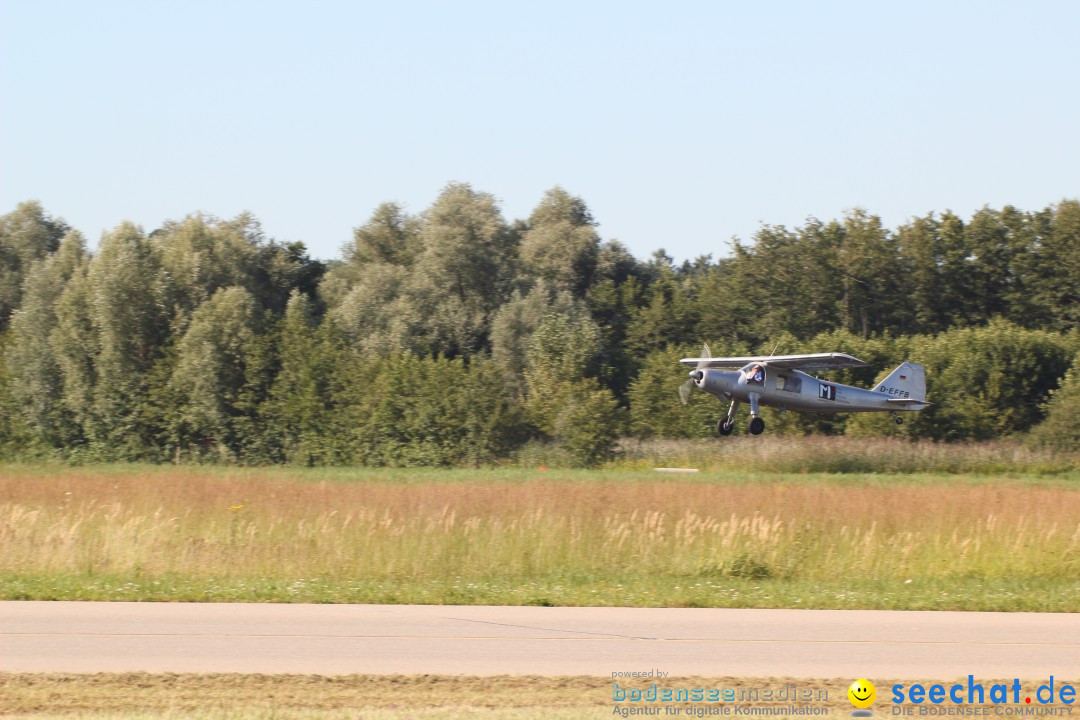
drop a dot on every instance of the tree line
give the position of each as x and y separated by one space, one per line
454 336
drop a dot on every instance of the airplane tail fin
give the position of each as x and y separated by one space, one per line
907 382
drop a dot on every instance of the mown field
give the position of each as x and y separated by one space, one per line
990 529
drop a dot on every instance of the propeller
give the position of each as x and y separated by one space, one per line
695 375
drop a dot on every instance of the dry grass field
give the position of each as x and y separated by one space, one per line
608 537
142 695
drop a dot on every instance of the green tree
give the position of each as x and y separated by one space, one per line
1019 236
200 255
515 324
616 290
391 237
562 351
433 411
126 294
302 411
445 299
872 298
986 382
561 245
941 282
655 407
994 247
1056 288
37 380
589 423
615 263
564 400
376 316
666 312
727 302
818 283
27 234
213 368
75 346
281 269
15 435
1061 428
464 271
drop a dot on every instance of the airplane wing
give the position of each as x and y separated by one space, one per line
807 363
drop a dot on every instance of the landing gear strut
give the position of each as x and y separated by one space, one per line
757 425
897 419
727 424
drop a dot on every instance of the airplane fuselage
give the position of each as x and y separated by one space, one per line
789 389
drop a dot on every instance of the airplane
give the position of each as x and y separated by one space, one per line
781 381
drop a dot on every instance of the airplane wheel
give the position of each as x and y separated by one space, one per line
757 426
898 420
725 427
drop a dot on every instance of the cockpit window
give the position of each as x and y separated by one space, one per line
755 374
790 383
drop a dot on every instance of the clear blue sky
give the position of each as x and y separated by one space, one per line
680 124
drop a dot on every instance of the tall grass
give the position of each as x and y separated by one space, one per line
605 542
821 454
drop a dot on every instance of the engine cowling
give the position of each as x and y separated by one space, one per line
716 382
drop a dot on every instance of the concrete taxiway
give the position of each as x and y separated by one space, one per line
471 640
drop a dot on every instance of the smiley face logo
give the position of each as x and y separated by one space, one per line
862 693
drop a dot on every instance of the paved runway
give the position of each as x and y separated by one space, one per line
471 640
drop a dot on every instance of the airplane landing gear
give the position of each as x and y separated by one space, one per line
897 419
757 425
727 424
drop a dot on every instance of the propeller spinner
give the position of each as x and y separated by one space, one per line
695 375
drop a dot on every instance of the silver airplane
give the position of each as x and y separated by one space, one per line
779 381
